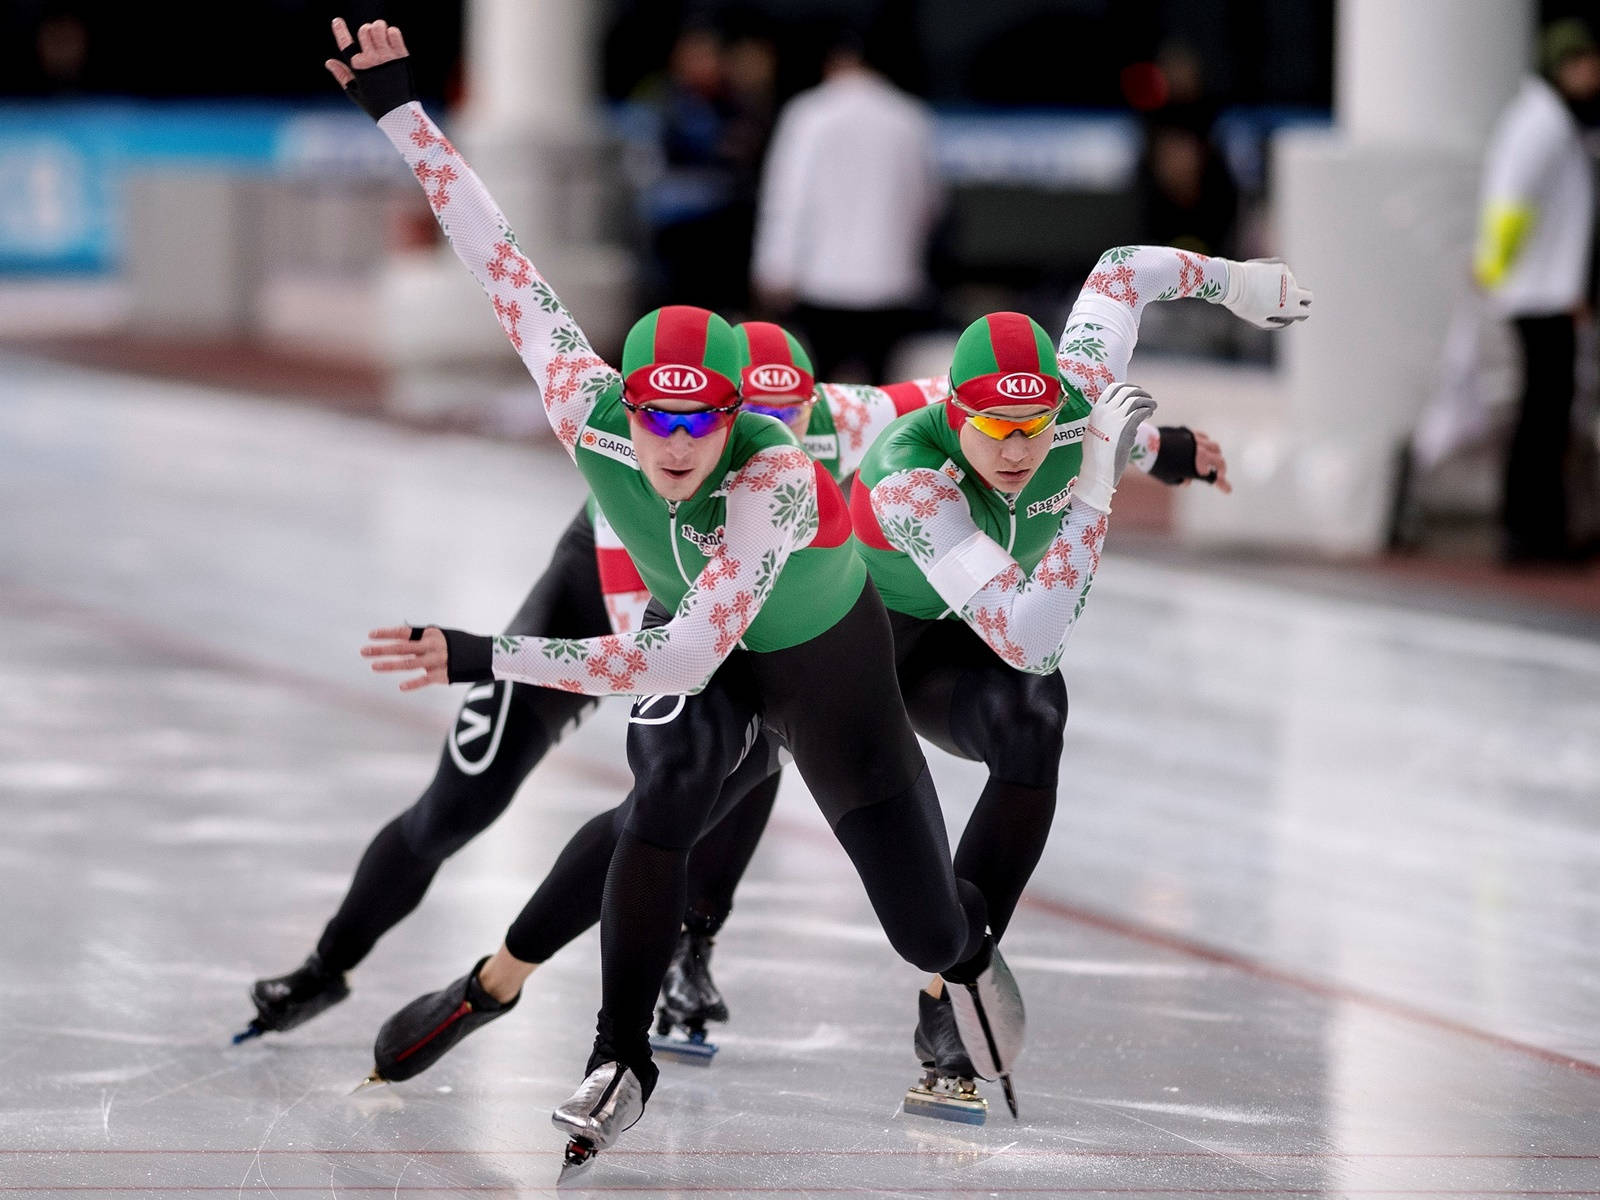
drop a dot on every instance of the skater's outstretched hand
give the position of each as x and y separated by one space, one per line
371 66
404 648
1264 292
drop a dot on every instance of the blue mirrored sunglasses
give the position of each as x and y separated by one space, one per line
696 423
793 415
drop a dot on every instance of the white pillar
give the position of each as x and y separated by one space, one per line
531 67
1376 218
530 127
1428 72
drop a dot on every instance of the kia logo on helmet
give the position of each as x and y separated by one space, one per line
679 380
1022 385
776 377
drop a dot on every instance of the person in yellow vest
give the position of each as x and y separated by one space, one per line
1535 234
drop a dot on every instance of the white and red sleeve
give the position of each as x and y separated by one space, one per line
1103 327
571 377
771 513
862 412
1025 618
621 586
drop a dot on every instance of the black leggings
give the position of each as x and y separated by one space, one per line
833 702
967 701
568 902
964 699
1534 509
501 733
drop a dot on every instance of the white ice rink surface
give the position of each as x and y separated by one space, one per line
1320 915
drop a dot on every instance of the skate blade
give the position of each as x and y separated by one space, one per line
373 1080
1011 1095
945 1106
576 1159
254 1030
685 1050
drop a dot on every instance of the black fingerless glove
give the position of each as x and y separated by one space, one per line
471 657
1175 460
381 89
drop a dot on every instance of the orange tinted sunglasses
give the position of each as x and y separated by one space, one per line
1001 428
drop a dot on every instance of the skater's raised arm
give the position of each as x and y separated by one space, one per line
571 377
771 512
1103 328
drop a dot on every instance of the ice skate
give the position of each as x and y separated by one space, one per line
990 1020
947 1091
421 1033
607 1103
689 999
285 1002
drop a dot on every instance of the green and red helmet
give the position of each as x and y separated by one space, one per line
681 353
1003 358
773 366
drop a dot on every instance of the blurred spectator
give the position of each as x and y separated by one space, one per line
1187 194
1535 233
715 110
63 49
848 202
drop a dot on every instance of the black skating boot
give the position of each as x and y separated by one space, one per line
422 1032
287 1001
689 999
688 993
947 1091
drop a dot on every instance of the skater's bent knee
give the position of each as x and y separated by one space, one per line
929 949
448 816
1023 729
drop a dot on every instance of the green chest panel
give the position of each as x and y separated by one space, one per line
671 543
1024 525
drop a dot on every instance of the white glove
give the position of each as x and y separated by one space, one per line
1263 292
1108 441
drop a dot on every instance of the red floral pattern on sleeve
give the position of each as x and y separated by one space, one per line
860 413
1101 331
1115 282
1024 618
771 513
571 377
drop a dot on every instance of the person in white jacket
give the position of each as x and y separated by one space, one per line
849 198
1535 233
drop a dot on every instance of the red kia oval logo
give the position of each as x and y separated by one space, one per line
1022 385
678 380
776 377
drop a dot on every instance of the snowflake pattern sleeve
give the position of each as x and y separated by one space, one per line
1103 326
571 377
861 412
1101 331
771 512
1024 618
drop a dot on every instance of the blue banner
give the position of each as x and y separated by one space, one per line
62 165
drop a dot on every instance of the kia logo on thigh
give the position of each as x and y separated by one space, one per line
656 710
469 750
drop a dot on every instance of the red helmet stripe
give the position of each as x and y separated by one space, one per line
767 343
1015 347
681 334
